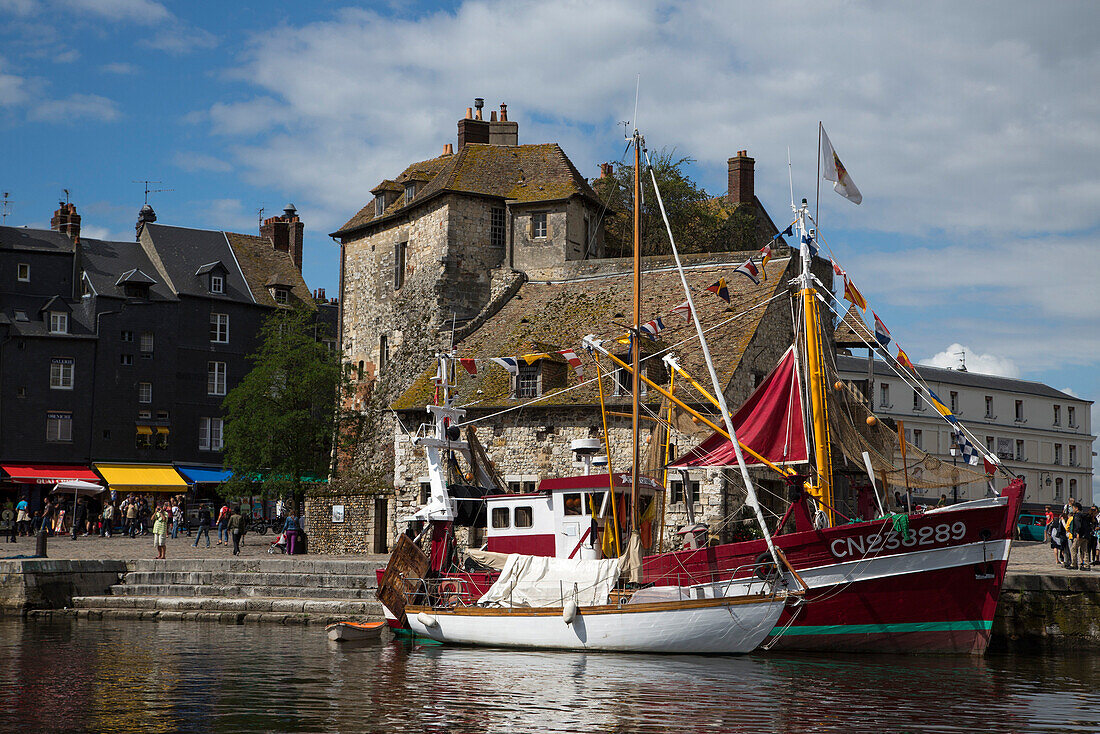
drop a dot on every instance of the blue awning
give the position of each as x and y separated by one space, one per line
195 474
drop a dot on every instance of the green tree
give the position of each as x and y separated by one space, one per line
282 418
694 216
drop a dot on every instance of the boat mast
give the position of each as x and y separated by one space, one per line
822 487
635 341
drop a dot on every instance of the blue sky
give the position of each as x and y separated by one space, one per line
973 131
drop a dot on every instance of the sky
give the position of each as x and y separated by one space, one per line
973 130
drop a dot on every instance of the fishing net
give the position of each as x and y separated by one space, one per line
848 414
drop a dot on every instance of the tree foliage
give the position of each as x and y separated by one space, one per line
695 219
282 418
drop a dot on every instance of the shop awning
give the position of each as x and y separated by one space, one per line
144 431
142 477
47 473
196 474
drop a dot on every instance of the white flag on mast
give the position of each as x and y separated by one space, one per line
833 170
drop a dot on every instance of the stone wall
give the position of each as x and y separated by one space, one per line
355 534
49 584
1039 611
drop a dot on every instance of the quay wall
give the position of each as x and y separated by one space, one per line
52 584
1045 610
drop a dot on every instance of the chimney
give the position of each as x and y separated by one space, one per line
448 149
502 132
145 216
473 129
741 172
285 233
479 103
606 170
66 221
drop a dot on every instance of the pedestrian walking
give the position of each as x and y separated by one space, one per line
160 530
204 526
80 517
290 530
235 523
22 516
108 520
177 518
131 518
223 525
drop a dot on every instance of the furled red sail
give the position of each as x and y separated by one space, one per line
770 423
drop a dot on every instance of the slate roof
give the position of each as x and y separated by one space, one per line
22 238
105 262
957 377
852 331
520 173
546 314
261 264
181 251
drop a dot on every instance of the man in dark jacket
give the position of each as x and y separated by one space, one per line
1081 529
204 526
80 517
236 527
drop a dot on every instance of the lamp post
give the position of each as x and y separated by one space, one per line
955 474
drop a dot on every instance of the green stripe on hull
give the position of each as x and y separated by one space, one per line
871 629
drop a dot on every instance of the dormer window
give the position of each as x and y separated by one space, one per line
217 284
281 295
410 191
379 205
59 322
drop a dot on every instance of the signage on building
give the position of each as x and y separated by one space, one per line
337 513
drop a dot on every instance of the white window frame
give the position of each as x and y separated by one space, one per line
215 378
146 343
918 438
211 434
59 427
497 226
410 192
145 392
379 205
1072 455
217 283
126 360
61 373
989 406
1071 416
219 328
23 272
59 322
884 395
539 225
281 295
1058 454
529 381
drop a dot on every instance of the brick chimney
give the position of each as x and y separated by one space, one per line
66 221
607 170
145 216
285 233
741 173
474 129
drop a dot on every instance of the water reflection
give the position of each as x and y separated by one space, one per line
162 677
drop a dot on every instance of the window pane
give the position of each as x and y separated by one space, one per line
500 517
524 517
527 383
572 504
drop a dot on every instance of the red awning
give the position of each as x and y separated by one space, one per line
47 473
770 423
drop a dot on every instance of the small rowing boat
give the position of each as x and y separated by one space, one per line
347 631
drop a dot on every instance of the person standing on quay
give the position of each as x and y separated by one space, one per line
204 526
80 517
160 530
22 518
223 525
131 517
1081 529
108 519
290 529
235 530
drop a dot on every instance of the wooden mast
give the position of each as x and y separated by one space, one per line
635 382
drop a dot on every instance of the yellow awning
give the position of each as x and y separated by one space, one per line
162 429
144 431
142 477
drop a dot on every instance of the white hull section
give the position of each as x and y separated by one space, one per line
717 629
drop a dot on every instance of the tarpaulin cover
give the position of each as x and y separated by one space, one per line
540 581
770 422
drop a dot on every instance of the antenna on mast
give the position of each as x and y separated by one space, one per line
147 189
5 203
790 177
260 216
67 195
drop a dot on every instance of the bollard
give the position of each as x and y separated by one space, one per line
40 545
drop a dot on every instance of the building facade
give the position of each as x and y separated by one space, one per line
1039 433
121 353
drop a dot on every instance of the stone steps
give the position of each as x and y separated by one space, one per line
238 590
243 591
339 607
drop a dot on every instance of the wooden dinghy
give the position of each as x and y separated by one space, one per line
348 631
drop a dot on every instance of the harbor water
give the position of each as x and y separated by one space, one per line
116 676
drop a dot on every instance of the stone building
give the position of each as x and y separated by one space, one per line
499 246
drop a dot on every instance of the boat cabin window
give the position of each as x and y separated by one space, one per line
524 517
575 504
500 517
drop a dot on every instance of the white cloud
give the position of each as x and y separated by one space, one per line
985 364
145 12
180 39
73 108
19 7
119 67
200 162
227 214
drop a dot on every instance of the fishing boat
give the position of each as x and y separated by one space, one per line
906 581
574 603
352 631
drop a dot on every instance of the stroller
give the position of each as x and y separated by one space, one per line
278 545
